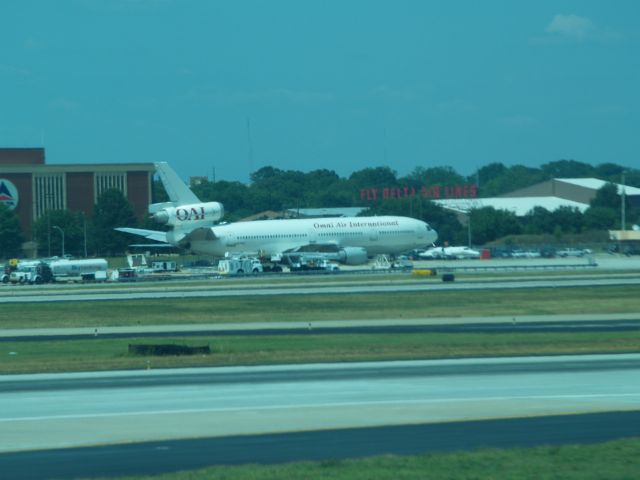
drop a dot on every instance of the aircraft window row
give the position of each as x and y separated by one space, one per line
396 232
275 235
341 234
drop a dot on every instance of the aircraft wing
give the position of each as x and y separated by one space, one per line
150 234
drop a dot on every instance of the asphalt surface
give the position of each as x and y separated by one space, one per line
167 420
497 324
154 458
258 290
553 324
161 421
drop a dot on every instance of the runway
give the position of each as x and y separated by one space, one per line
72 410
154 421
20 295
154 458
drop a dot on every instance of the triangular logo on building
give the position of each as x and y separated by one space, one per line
8 194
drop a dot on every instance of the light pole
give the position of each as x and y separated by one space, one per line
61 235
49 232
623 213
84 226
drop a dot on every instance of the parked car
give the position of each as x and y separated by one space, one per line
572 252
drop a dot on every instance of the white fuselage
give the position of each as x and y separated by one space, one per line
378 235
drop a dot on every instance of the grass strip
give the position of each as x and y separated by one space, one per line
615 460
112 354
542 301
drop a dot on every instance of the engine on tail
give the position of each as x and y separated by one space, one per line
198 214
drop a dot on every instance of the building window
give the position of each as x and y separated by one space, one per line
108 181
49 193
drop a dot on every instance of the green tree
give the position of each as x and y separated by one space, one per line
72 226
434 176
568 220
324 188
158 193
373 177
275 189
489 172
513 178
111 210
233 195
538 220
600 218
567 169
11 237
607 197
609 171
488 224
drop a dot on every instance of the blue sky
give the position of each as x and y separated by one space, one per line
302 85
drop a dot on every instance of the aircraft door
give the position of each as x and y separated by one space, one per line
230 239
312 236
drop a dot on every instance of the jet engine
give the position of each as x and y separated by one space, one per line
353 255
198 214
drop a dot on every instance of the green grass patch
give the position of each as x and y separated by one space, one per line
551 301
112 354
616 460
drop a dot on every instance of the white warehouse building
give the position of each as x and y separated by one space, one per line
550 195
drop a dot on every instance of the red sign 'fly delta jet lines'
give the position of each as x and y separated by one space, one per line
350 240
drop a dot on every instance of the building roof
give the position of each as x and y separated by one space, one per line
326 212
77 168
597 184
520 206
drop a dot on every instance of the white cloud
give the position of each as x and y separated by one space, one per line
573 26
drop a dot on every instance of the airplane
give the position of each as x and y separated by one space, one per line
449 253
349 240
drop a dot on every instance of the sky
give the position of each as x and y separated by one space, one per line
232 86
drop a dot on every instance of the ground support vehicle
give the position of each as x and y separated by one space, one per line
56 270
239 266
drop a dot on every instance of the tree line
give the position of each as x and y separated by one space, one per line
271 188
274 189
93 234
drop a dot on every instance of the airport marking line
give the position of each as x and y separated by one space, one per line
322 405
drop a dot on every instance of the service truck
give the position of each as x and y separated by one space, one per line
239 266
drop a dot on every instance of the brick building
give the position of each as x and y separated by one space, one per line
31 187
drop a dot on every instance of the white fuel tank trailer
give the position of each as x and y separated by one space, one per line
79 269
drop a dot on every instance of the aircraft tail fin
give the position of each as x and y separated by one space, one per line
178 192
